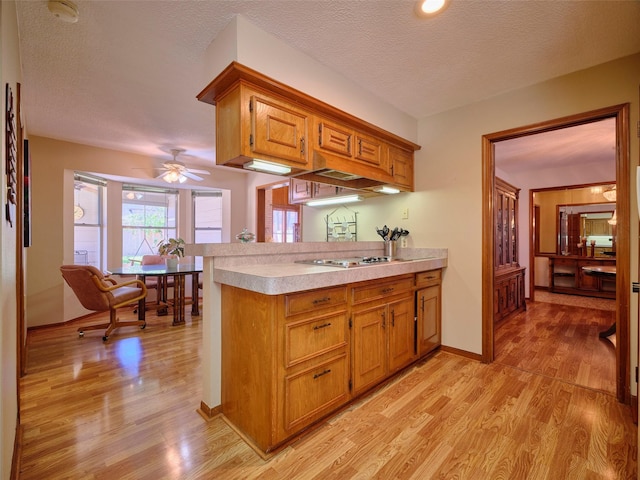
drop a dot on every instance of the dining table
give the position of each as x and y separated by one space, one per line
179 274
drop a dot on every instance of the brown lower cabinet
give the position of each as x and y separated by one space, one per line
291 360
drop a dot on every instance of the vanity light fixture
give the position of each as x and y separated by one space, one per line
334 200
267 167
430 8
386 189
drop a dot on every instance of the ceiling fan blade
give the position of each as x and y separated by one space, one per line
201 172
191 176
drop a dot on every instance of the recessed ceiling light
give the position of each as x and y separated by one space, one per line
429 8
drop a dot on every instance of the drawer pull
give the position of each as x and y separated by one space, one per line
324 325
387 290
318 375
321 300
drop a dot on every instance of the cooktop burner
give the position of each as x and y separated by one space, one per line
346 262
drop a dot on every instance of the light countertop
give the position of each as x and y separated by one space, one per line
270 269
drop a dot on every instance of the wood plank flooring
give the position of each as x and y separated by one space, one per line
560 341
126 409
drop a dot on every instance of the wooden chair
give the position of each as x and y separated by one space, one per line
99 293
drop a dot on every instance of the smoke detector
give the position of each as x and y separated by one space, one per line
65 10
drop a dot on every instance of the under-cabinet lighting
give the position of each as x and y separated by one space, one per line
387 190
267 167
334 200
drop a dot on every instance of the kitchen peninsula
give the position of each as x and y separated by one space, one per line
286 344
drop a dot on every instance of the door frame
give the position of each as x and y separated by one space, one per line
623 267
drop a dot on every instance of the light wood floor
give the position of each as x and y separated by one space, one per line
560 341
126 409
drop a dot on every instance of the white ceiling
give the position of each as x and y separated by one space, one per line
125 76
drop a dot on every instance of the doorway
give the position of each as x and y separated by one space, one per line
621 115
278 220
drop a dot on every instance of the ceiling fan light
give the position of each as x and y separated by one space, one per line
171 177
182 178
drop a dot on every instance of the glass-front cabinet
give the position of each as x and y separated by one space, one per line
509 291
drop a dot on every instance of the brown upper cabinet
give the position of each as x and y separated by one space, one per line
258 117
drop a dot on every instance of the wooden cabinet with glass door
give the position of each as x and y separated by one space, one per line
508 274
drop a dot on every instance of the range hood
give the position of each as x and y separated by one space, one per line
333 170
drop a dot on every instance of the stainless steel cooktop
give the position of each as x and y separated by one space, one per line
346 262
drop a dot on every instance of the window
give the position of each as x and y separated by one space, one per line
148 217
88 195
285 225
207 216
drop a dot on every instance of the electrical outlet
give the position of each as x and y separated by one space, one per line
403 242
405 213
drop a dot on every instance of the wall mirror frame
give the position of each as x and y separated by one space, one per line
565 215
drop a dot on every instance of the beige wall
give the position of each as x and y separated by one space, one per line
449 180
10 73
49 301
446 208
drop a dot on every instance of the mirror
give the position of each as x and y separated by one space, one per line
568 220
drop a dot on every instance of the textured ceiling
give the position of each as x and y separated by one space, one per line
126 74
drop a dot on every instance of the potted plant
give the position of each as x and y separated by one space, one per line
172 250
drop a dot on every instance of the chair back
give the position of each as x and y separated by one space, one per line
152 260
80 279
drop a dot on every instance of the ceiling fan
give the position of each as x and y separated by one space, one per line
175 171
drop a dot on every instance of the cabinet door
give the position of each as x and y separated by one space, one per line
335 138
401 333
278 130
401 162
369 347
299 190
429 319
369 150
322 190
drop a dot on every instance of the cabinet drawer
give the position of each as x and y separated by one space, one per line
315 391
311 337
374 291
309 301
428 278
